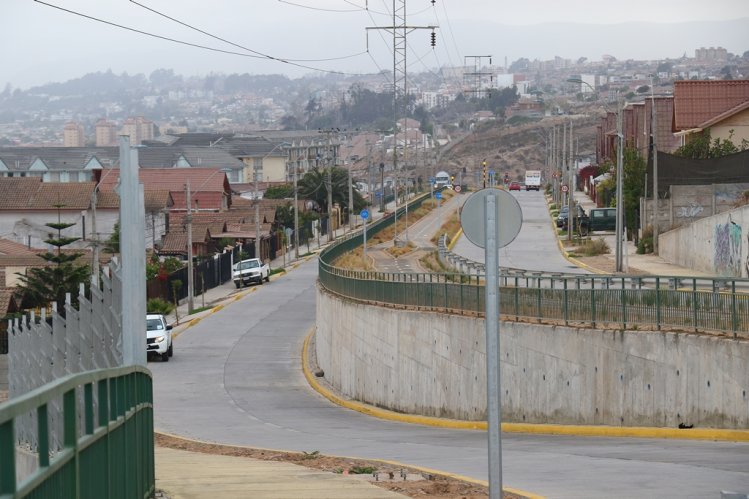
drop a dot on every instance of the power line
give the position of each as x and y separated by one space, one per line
281 59
318 8
189 44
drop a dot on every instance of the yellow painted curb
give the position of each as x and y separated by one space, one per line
540 429
455 239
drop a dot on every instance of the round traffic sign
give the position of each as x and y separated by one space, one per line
564 188
438 195
364 214
509 217
457 188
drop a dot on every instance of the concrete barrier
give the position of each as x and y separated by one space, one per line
434 364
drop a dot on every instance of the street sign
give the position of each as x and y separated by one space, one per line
364 214
564 188
491 172
457 188
378 194
509 217
438 195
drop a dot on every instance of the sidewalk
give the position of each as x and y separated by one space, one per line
638 264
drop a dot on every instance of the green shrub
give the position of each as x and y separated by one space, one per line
159 306
645 244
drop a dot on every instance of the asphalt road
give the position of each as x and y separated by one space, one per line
535 248
235 378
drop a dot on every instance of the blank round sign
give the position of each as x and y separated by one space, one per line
509 217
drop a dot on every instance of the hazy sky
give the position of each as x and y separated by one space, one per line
40 44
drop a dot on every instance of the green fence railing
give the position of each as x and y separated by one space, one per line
110 456
655 302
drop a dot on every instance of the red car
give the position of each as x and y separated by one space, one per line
514 186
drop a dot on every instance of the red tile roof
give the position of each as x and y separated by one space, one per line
8 247
8 302
698 102
27 193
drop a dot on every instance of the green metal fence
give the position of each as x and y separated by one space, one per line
677 303
110 456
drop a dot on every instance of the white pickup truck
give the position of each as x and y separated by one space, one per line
250 270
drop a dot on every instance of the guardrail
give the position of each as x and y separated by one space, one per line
657 302
110 455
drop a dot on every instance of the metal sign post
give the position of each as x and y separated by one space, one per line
364 214
438 195
491 218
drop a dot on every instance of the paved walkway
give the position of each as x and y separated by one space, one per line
187 475
646 263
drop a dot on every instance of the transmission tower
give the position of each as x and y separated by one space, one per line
400 30
475 79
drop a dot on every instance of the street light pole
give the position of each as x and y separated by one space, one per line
619 184
654 131
296 212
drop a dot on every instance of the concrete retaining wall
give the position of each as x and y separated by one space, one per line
718 244
434 364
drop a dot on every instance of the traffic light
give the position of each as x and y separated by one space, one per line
452 179
483 165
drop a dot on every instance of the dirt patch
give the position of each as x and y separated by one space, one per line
410 482
607 264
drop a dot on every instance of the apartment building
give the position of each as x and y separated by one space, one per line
106 133
72 135
138 129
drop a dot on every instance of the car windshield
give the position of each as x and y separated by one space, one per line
154 325
249 264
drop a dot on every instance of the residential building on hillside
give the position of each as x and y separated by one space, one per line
106 133
138 129
73 135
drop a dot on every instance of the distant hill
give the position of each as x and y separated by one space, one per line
633 40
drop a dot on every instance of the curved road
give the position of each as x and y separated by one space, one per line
535 248
235 378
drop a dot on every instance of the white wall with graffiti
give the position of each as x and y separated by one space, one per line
718 244
688 203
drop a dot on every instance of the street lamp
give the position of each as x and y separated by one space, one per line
619 176
188 221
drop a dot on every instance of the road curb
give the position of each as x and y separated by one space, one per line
539 429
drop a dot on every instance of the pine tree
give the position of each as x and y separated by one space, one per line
42 286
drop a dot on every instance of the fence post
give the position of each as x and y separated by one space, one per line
658 303
517 299
734 318
593 303
694 302
538 283
566 312
624 305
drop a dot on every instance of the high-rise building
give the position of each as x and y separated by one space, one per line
106 133
72 135
138 129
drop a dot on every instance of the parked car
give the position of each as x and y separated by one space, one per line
581 215
603 219
159 337
250 270
514 186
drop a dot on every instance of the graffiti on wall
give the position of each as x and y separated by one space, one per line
727 256
690 211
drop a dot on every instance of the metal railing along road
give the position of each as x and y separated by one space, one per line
655 302
110 456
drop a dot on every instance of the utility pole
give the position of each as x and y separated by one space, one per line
190 277
572 214
296 210
619 185
256 200
654 131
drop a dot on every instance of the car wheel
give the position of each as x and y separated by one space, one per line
237 285
267 278
171 350
261 280
165 356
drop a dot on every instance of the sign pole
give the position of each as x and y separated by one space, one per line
364 216
492 348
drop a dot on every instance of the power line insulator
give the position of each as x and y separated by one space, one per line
434 39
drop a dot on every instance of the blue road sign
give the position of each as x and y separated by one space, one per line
438 195
378 194
364 214
491 172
